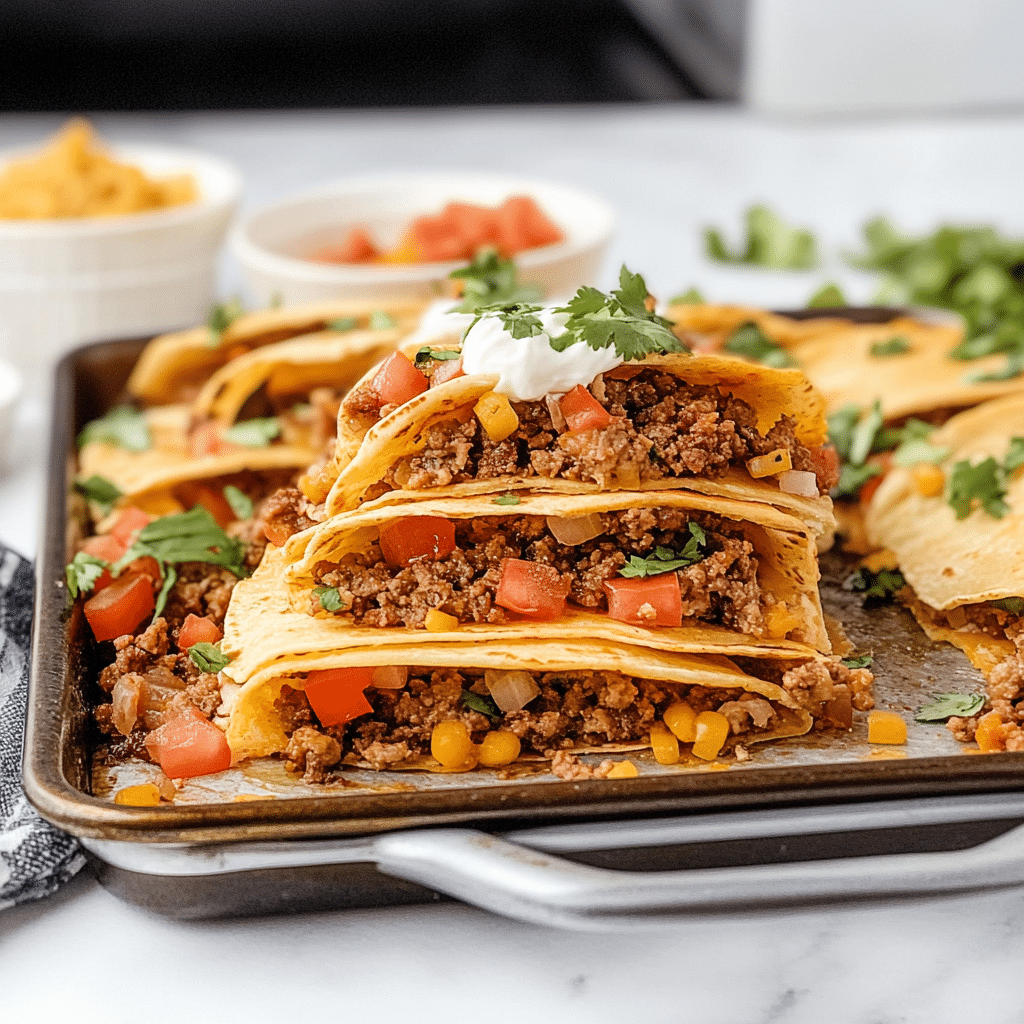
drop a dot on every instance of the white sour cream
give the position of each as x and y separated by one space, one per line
529 368
440 323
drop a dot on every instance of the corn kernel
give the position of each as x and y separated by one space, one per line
928 479
886 727
146 795
988 733
664 744
712 732
158 504
496 416
779 620
451 744
777 461
440 622
622 770
499 747
682 720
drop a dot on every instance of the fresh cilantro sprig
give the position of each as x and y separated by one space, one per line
208 657
750 342
770 242
329 598
946 705
897 346
518 318
490 280
221 317
254 433
984 483
876 587
437 355
99 490
82 572
667 560
483 705
506 499
381 321
123 427
240 502
858 661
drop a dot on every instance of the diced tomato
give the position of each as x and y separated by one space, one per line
336 694
477 225
398 381
447 371
104 546
204 440
650 601
523 225
582 411
128 524
188 746
356 247
825 465
210 498
438 240
198 629
415 537
531 588
147 565
121 606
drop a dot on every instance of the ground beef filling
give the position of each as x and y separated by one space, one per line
722 588
661 427
573 709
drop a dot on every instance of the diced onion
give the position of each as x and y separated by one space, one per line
228 694
799 481
390 677
125 695
777 461
511 691
576 529
555 411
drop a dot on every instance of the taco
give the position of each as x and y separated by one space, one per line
173 367
523 699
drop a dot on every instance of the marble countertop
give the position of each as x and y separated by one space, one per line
668 171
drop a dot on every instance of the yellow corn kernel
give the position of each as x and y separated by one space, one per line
712 732
988 733
451 744
779 620
159 504
496 416
777 461
146 795
499 747
928 479
682 720
886 727
440 622
664 744
622 770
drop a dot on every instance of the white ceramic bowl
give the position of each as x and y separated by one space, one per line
271 243
63 282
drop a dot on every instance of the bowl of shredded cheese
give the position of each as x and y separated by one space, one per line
99 242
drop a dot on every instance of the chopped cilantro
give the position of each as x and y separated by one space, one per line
691 297
343 324
82 572
506 499
892 347
123 427
667 560
862 439
381 321
828 296
853 478
483 705
946 705
518 318
750 342
255 433
858 661
440 355
1014 457
100 490
876 587
983 483
770 242
330 599
221 317
491 280
239 501
1013 605
208 657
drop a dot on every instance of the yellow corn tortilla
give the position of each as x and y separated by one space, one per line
362 460
255 728
949 561
173 367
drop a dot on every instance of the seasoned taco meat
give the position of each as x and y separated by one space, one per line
721 588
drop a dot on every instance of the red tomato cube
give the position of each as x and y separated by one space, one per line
357 247
398 381
198 629
414 537
651 601
582 411
532 589
336 694
128 524
447 371
120 606
188 746
523 225
825 464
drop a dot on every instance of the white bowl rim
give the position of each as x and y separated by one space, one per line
603 222
226 175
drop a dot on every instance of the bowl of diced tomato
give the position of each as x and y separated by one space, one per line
400 236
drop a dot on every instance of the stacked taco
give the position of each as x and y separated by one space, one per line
555 532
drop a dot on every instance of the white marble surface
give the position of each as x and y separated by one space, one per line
668 171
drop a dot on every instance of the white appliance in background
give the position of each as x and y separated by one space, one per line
846 56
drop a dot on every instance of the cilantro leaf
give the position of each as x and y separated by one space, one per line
853 478
893 347
506 499
750 342
946 705
910 453
82 572
381 321
100 490
876 587
982 483
489 279
863 436
123 427
691 297
221 317
192 536
330 599
343 324
858 661
518 318
170 578
1013 605
483 705
1014 457
441 355
840 429
770 242
828 296
254 433
208 657
239 501
666 560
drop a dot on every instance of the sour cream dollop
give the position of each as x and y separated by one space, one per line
440 323
529 368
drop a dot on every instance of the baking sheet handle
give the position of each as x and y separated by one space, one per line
533 886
